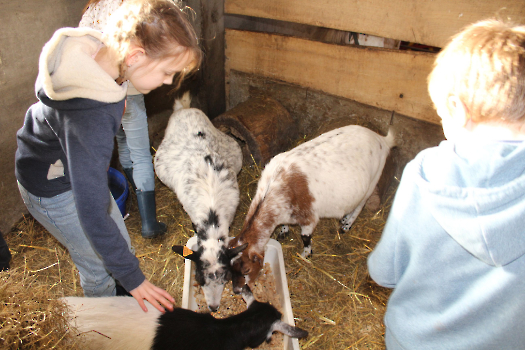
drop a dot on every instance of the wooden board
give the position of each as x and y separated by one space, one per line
208 19
387 79
429 22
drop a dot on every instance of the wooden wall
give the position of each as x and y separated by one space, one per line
388 79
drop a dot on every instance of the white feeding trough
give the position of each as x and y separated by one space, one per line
273 256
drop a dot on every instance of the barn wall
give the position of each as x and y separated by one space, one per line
421 21
25 26
275 48
388 79
385 78
315 112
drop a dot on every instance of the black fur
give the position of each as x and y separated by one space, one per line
216 166
213 219
185 329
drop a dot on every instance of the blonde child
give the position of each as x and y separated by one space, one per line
66 142
454 243
133 135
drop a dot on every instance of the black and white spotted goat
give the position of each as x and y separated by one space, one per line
118 323
200 164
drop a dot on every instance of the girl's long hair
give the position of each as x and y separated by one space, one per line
161 27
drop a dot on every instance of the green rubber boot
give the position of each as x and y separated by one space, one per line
148 214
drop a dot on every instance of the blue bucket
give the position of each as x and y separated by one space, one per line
118 185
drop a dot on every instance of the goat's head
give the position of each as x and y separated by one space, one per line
212 267
268 321
246 266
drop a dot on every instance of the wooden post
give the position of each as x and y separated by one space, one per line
210 29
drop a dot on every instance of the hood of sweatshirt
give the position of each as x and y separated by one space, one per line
476 192
68 70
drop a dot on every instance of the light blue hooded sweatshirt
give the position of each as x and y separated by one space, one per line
453 250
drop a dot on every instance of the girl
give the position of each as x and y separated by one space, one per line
66 143
132 136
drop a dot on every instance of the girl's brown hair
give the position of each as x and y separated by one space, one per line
90 2
483 65
161 27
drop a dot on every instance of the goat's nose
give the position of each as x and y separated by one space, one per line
238 289
213 308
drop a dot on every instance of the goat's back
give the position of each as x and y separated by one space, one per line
341 167
185 329
189 130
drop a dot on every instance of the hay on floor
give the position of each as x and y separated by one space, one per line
331 293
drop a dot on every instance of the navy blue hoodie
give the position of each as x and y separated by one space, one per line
67 141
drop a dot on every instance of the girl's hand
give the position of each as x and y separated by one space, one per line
155 295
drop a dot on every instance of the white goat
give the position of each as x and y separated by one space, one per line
118 323
330 176
200 164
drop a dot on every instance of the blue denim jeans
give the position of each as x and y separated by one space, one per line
59 216
133 143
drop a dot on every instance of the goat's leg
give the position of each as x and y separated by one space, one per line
283 232
348 219
306 236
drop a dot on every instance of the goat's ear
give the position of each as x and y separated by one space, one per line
291 331
233 252
185 252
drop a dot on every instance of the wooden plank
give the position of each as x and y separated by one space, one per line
208 20
388 79
429 22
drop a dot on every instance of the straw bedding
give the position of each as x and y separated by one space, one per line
331 293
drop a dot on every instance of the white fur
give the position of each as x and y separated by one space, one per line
342 167
200 164
179 164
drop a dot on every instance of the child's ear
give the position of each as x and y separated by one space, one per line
135 54
458 111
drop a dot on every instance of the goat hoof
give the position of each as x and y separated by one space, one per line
346 224
344 229
307 253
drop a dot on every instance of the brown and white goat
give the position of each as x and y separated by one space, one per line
330 176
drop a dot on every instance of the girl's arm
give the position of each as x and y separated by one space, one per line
88 138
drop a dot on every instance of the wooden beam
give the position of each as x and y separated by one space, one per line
429 22
388 79
209 25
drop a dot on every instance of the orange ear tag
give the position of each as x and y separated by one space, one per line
186 251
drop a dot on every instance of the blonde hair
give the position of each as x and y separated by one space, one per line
160 27
484 66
